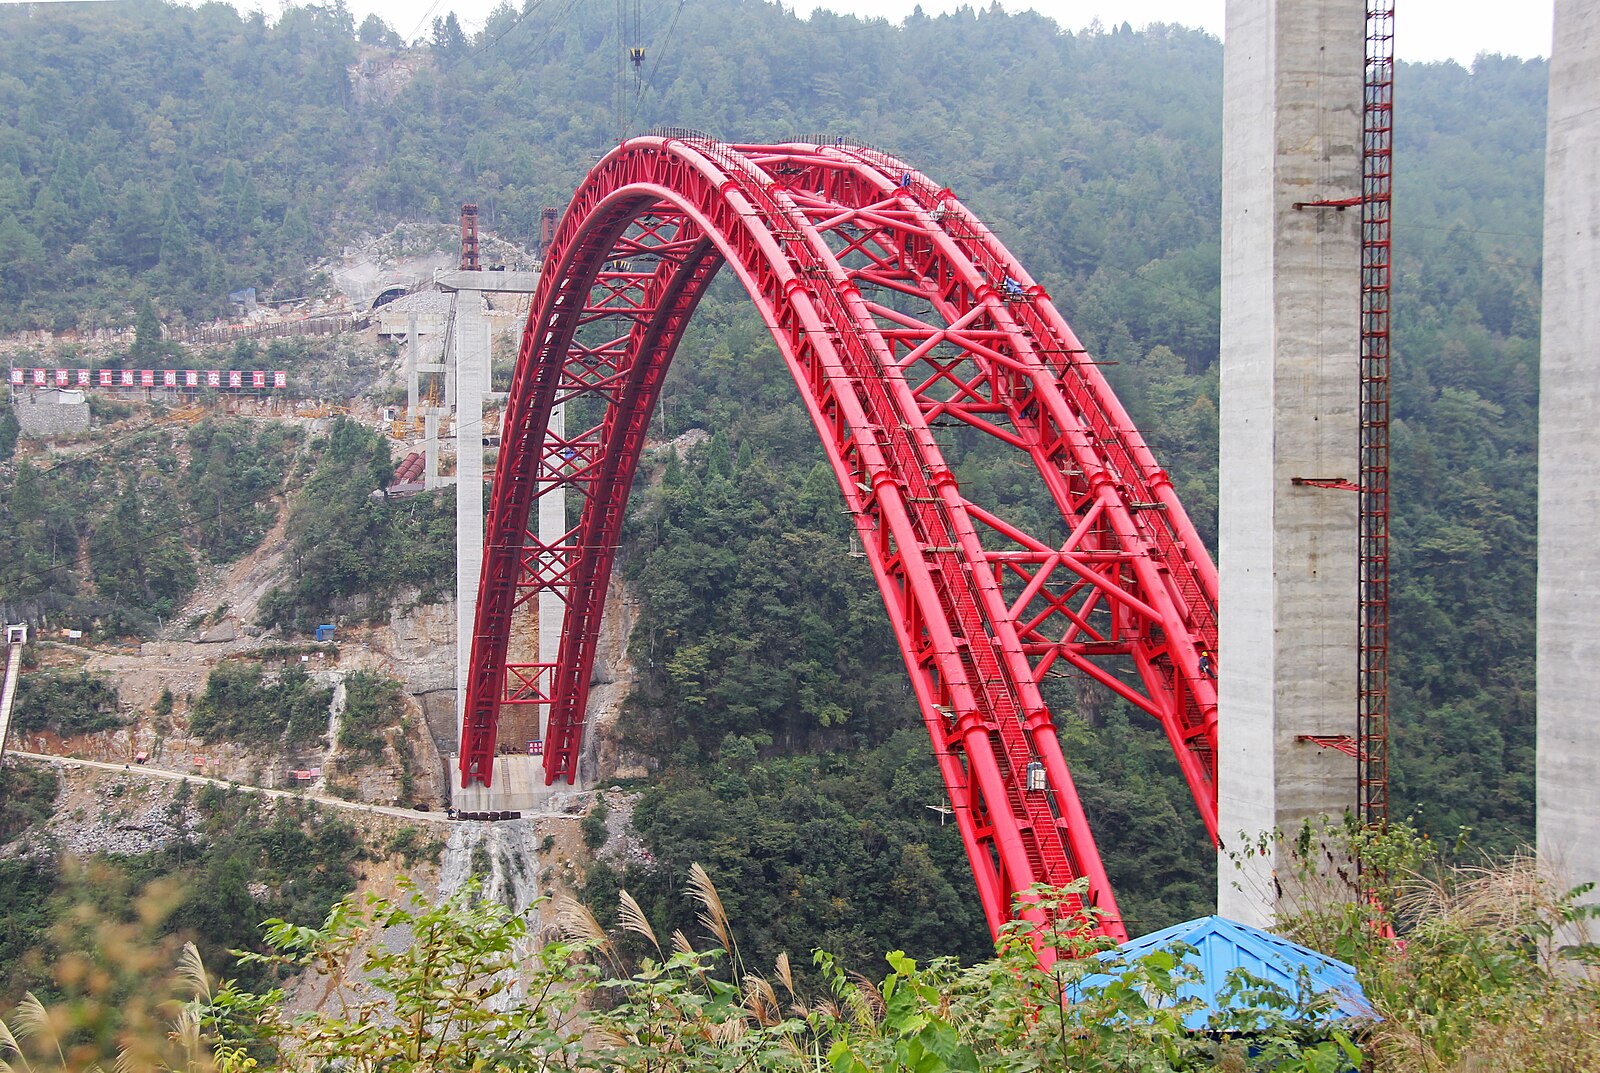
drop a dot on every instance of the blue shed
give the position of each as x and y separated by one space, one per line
1222 945
325 632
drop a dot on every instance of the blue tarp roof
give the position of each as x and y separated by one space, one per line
1222 945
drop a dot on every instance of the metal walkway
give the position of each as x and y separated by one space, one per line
9 693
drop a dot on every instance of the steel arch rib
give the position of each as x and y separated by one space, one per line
835 244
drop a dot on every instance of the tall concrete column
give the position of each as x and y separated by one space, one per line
1569 454
472 379
451 368
430 450
412 339
1292 84
552 523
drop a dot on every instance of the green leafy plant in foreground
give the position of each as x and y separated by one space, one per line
1058 997
1471 970
1469 964
468 985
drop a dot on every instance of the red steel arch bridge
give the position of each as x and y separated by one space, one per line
896 311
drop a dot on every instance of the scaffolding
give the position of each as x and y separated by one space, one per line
1372 731
469 237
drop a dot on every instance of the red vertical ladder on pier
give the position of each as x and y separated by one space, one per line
1376 171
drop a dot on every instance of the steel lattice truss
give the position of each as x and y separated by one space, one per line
898 313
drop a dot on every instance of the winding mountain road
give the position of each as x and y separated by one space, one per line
295 795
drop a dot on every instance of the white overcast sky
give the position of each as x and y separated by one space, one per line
1425 30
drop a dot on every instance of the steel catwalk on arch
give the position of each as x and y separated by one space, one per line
897 312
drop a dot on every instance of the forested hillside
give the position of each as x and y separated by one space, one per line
150 151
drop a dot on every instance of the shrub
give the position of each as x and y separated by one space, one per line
411 845
349 550
372 704
595 832
1483 965
26 796
428 997
241 705
65 703
233 473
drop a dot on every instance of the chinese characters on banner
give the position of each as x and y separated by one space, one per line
234 379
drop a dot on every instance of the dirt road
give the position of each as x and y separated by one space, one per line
296 795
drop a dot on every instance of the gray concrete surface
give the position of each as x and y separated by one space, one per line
1293 81
430 449
552 524
412 338
8 691
1569 454
524 282
467 383
517 786
472 379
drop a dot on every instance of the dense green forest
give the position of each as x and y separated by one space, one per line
156 152
111 539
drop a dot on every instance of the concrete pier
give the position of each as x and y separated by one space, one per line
552 524
430 450
1569 454
1292 85
519 779
412 339
517 786
472 379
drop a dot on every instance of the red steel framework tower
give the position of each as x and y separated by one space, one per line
469 237
547 227
1376 171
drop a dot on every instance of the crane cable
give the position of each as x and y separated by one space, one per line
665 39
619 95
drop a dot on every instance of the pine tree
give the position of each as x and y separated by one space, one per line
146 334
8 433
67 177
91 201
247 207
53 219
184 192
177 245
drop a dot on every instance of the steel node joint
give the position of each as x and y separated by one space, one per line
1039 720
